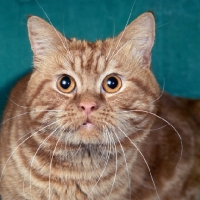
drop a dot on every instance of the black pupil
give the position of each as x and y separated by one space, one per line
112 82
65 82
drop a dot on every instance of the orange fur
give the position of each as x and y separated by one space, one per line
92 144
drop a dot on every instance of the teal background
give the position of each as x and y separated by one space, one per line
176 53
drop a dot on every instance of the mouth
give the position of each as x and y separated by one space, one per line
88 123
89 133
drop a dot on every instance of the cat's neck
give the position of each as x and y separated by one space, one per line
95 155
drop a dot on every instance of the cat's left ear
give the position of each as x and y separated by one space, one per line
137 39
43 36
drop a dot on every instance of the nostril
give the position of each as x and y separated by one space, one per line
93 108
82 107
88 107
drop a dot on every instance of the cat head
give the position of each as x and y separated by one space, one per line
93 93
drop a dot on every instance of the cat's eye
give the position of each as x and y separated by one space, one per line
66 84
112 83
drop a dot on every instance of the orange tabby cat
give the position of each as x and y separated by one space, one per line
89 123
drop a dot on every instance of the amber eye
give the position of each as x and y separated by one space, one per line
112 83
66 84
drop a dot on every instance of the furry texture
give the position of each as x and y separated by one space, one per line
91 143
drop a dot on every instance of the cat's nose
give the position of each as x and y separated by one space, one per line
88 107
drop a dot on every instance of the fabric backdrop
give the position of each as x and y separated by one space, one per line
175 60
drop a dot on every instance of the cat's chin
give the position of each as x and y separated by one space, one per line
89 133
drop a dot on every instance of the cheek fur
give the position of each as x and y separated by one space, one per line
111 113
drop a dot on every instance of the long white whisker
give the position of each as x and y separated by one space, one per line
168 124
25 113
123 30
20 145
51 165
111 44
102 154
77 150
23 187
30 176
124 155
67 49
154 129
36 129
163 88
66 142
158 26
101 146
61 168
144 161
16 103
141 129
105 165
116 163
124 44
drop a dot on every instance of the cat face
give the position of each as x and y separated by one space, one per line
92 93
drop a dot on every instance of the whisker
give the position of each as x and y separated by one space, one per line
29 133
61 168
30 176
51 164
14 117
124 44
124 155
23 185
136 128
66 60
101 146
123 30
181 142
105 166
163 88
63 21
158 26
111 43
47 138
66 142
103 152
154 129
16 103
67 49
116 163
28 113
19 146
77 150
144 161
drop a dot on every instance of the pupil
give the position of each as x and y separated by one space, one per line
65 82
112 82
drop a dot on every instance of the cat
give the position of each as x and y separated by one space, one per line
90 122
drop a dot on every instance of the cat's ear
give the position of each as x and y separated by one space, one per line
43 37
137 39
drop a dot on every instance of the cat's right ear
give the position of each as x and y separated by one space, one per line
137 40
43 37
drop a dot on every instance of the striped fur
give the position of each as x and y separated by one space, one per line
130 152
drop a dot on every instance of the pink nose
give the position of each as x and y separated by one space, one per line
88 107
